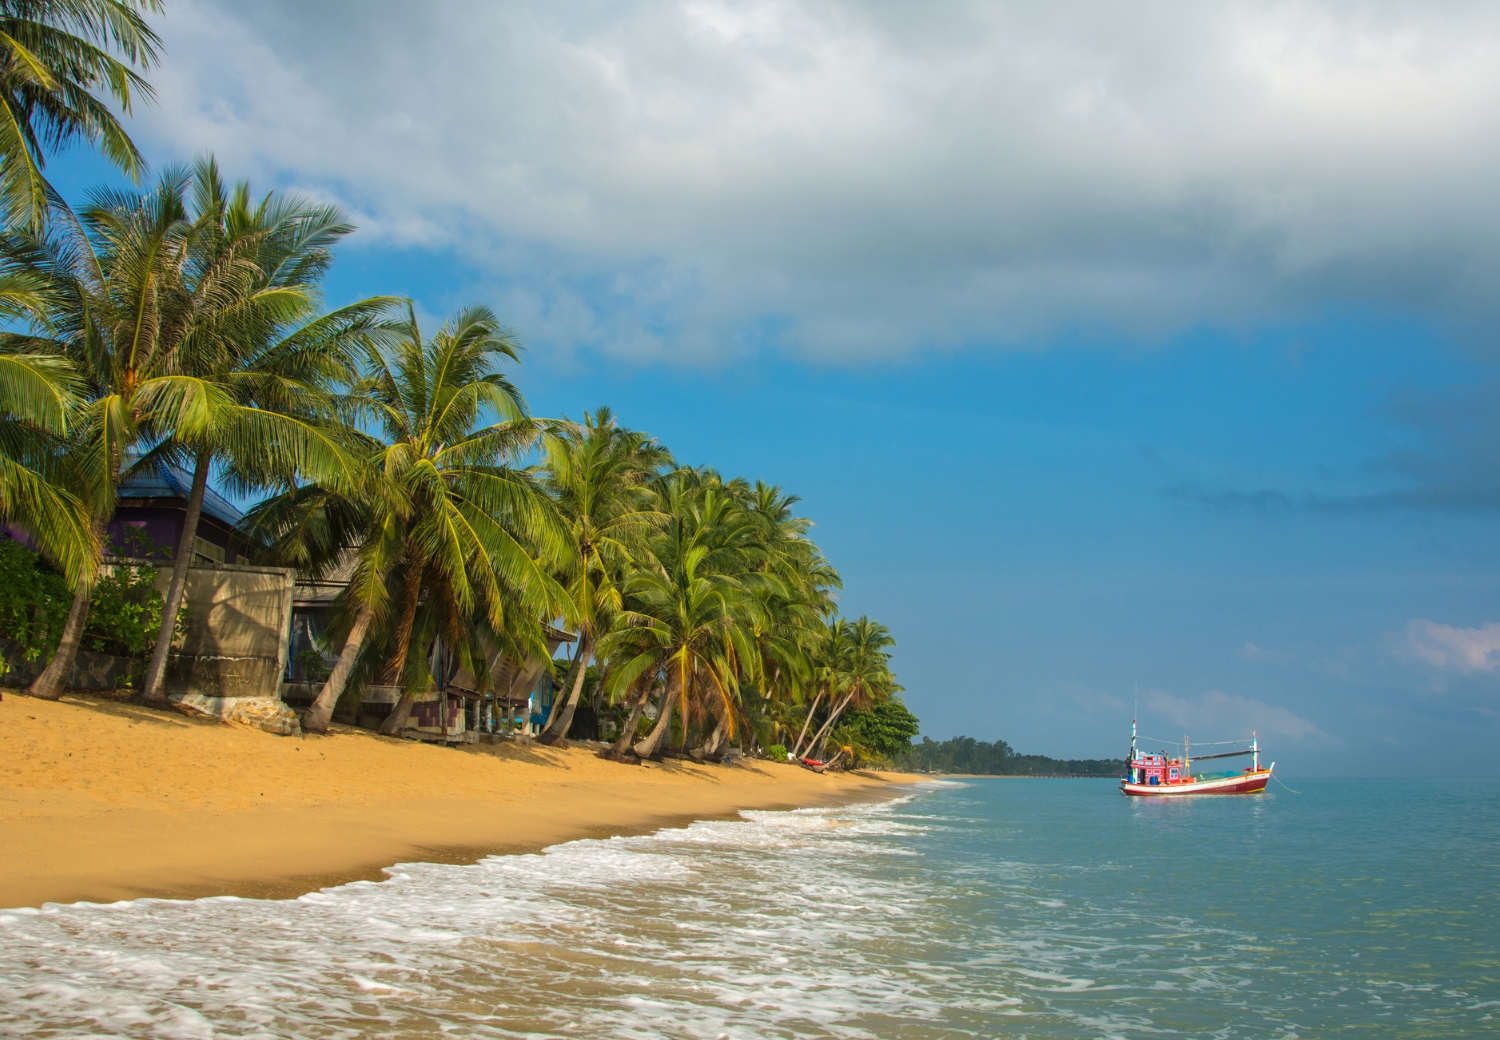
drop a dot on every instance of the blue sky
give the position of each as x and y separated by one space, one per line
1106 352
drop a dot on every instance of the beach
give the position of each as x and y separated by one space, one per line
103 801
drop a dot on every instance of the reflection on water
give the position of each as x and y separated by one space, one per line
991 908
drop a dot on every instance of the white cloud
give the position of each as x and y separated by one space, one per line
1251 652
1449 647
689 177
1218 715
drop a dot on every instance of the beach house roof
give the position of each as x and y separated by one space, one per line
165 481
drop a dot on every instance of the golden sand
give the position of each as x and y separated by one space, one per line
103 801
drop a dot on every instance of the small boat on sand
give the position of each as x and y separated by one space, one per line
1164 776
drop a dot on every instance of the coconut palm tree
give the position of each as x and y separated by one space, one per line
130 306
827 654
457 522
600 475
271 365
316 530
56 57
689 614
862 670
442 523
37 394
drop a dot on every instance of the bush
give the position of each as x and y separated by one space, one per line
886 730
124 613
776 752
34 601
124 610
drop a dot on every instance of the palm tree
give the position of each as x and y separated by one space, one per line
689 614
599 474
455 522
55 56
130 308
316 530
863 671
269 368
37 394
830 641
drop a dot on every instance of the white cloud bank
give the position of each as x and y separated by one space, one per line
847 179
1464 650
1218 715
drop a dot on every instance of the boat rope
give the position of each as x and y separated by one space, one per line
1278 780
1196 743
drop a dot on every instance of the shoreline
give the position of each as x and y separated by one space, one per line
102 801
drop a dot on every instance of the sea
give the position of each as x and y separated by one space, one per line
974 908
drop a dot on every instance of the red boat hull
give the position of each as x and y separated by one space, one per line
1251 782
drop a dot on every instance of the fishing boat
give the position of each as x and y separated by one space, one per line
1165 776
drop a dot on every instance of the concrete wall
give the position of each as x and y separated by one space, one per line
235 641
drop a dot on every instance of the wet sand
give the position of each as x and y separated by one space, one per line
103 801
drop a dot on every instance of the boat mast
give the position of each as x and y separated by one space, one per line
1134 711
1255 750
1187 761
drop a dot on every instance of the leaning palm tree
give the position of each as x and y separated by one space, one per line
318 530
269 366
56 57
599 474
453 520
128 306
863 669
827 655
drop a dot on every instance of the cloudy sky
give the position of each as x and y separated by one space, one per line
1110 345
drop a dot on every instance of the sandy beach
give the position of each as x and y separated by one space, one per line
103 801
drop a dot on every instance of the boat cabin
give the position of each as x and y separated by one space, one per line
1158 769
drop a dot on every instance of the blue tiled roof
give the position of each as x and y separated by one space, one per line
170 482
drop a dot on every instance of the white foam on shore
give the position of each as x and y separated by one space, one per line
716 929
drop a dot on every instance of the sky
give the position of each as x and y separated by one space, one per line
1122 354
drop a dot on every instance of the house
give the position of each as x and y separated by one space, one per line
150 512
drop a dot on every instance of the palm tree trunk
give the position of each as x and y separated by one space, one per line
710 746
316 718
395 722
151 692
54 678
627 735
832 717
797 747
648 747
562 718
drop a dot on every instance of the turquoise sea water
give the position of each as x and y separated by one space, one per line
988 908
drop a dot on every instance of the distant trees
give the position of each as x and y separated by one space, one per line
967 755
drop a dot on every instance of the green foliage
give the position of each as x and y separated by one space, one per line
125 608
313 664
885 730
967 755
34 601
124 612
776 752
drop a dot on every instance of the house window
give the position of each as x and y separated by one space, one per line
208 550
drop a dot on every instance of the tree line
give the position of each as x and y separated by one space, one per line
183 324
979 758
